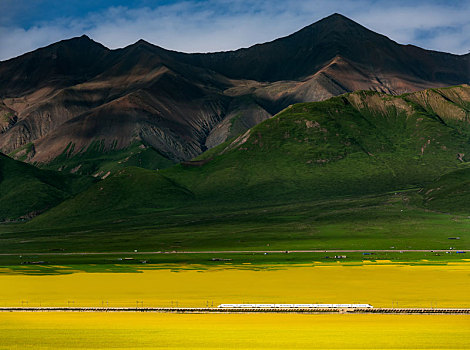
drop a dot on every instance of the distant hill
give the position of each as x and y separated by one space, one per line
74 104
26 191
352 145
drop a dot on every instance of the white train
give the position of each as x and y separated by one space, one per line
294 306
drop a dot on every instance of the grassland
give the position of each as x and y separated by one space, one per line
165 331
132 262
371 222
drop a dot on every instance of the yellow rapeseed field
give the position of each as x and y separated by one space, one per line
57 330
381 285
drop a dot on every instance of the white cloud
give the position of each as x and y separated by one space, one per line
214 25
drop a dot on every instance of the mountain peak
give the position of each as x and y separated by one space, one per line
142 42
338 22
337 16
83 40
305 52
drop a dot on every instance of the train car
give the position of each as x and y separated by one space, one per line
295 306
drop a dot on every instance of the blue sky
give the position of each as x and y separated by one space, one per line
215 25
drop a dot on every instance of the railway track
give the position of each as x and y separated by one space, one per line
213 310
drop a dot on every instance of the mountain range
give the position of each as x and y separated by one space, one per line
334 136
79 107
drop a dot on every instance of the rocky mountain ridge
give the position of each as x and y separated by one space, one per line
63 98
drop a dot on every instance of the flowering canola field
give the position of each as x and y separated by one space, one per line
57 330
381 285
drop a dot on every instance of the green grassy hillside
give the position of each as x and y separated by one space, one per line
26 191
353 145
346 173
100 162
128 192
451 193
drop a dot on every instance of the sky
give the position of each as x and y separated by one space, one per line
221 25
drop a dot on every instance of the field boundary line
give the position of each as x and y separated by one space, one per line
246 251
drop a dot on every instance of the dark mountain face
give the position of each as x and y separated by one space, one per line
303 53
298 55
65 63
77 92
